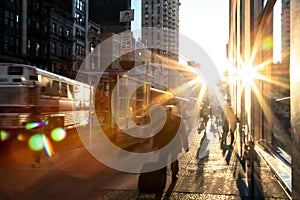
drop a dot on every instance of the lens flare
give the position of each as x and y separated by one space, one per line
35 142
21 137
85 122
4 135
48 146
268 43
58 134
32 125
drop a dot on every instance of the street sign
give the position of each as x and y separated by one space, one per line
126 42
127 58
126 15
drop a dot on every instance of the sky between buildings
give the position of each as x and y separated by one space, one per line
206 23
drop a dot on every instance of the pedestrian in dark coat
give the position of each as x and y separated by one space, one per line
171 127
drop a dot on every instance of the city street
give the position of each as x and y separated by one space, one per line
104 66
72 173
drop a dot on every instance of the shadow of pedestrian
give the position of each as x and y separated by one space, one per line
203 150
151 196
242 187
169 191
152 184
227 152
202 155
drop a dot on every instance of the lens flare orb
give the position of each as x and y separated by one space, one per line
58 134
35 142
4 135
21 137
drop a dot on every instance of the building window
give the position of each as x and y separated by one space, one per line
80 5
46 49
37 25
60 31
37 5
53 28
80 34
10 18
6 43
53 66
28 45
53 48
17 46
61 50
80 50
29 21
68 52
37 49
46 28
79 19
68 33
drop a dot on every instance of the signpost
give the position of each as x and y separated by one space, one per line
126 15
126 42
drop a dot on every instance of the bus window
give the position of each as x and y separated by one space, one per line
55 88
33 78
64 90
45 86
71 89
15 71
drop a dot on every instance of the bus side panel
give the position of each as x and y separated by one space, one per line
65 104
49 104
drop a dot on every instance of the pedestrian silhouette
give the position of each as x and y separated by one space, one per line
204 114
229 125
171 127
35 128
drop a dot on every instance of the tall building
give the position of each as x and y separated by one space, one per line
50 34
12 32
37 32
163 15
160 22
80 10
58 38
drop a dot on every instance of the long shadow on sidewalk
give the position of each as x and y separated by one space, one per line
169 191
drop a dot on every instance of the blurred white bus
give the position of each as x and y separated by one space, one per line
62 101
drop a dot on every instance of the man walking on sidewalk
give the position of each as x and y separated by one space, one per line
168 133
229 124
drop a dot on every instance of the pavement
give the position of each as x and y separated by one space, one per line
206 171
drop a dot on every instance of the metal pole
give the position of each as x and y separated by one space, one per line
126 98
251 163
90 113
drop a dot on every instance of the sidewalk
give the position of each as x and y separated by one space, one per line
220 175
